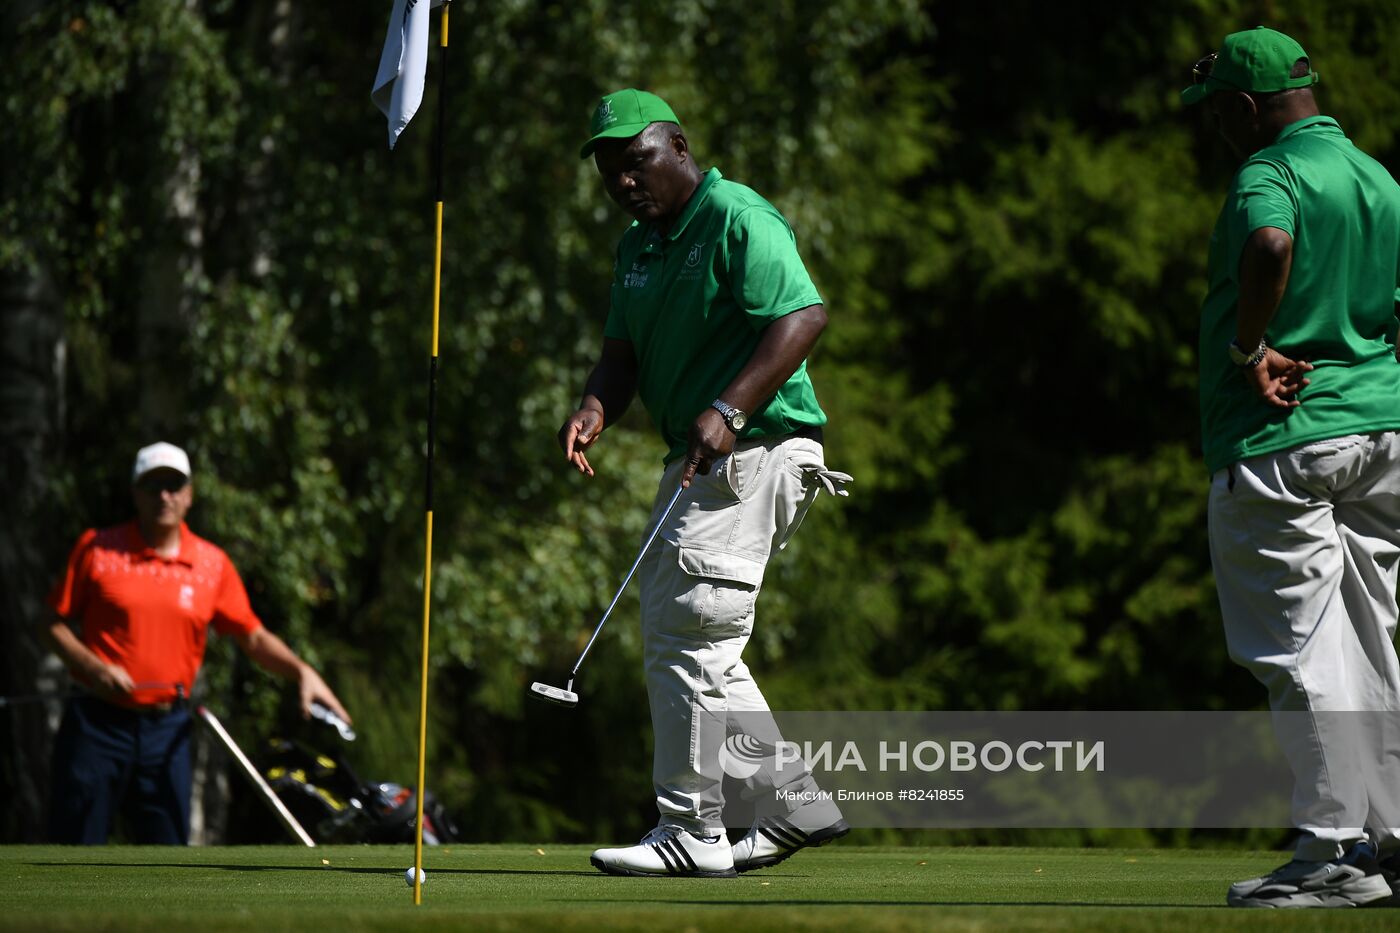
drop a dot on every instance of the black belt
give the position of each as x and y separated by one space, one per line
145 709
150 710
810 432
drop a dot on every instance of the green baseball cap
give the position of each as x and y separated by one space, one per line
1258 60
623 114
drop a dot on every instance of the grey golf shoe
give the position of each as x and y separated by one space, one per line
668 851
1354 880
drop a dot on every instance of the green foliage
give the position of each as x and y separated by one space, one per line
1003 205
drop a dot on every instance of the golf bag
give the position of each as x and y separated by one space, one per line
335 806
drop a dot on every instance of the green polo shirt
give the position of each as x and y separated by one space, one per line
694 304
1342 209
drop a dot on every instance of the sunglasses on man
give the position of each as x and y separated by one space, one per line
156 483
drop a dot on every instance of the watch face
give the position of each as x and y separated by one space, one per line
737 421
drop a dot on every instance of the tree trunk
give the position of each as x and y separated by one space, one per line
31 379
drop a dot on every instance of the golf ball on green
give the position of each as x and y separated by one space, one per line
408 877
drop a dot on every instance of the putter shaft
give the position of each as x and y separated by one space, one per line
628 579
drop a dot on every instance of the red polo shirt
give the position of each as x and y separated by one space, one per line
151 614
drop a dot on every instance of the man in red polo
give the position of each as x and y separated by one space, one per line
134 610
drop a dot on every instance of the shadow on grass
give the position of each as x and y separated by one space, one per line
924 904
857 903
357 870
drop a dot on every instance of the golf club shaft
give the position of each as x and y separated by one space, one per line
628 579
267 794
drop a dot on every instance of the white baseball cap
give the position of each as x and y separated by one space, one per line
158 456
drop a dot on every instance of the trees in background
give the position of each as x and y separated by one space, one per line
203 238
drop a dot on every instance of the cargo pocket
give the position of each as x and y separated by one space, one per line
808 478
731 585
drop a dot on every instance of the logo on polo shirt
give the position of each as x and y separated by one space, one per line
186 596
693 267
637 278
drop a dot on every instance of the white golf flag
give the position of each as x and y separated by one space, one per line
398 85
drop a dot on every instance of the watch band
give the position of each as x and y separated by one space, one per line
1245 359
734 419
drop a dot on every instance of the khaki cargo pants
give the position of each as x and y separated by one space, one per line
699 583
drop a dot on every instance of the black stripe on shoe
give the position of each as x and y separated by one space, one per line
791 828
782 844
679 850
666 857
781 837
818 837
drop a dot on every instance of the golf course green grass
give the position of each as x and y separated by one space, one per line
524 887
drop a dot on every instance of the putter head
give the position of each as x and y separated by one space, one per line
557 695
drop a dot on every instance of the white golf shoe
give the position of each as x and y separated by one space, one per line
771 839
668 851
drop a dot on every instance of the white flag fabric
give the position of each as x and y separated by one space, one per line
398 85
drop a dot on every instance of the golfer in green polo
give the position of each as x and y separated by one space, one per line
711 321
1300 409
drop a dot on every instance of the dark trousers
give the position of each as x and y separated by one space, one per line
109 760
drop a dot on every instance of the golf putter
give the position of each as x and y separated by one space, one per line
565 696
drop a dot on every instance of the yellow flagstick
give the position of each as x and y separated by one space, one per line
432 420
